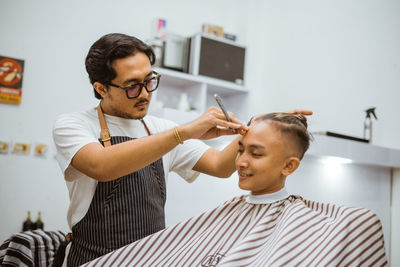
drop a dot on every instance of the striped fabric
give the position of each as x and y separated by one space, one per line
289 232
31 248
122 211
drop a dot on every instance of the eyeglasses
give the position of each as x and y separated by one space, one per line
134 90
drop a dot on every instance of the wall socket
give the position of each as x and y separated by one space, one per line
4 147
22 148
40 149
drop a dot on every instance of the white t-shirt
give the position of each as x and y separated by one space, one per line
73 131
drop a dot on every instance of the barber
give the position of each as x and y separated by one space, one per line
117 183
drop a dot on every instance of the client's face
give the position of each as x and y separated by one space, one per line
261 159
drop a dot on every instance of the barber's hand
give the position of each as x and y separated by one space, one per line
301 111
212 124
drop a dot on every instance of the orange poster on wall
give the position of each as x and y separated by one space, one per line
11 72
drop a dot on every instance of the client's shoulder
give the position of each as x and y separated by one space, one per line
344 212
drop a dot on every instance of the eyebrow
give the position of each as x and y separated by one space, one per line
253 146
257 146
137 80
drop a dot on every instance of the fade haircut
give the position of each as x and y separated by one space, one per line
291 125
109 48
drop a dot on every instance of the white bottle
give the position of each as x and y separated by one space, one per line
368 124
183 103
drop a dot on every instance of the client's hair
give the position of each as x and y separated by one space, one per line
291 125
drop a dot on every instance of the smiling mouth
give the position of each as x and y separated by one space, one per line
244 175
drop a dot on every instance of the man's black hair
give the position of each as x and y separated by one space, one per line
108 48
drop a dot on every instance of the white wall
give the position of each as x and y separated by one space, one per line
334 57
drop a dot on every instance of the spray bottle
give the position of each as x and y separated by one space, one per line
368 123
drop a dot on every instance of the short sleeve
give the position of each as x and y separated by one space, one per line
70 133
184 157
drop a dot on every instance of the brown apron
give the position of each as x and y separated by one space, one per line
122 211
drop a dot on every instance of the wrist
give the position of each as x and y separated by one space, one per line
182 132
178 137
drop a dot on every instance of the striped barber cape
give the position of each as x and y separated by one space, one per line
31 248
288 232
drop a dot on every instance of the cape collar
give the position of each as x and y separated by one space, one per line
268 198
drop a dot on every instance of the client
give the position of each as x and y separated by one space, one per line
268 227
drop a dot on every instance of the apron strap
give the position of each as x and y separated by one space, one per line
105 133
145 126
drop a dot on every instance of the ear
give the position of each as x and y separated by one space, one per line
100 88
291 165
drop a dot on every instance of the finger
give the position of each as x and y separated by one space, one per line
225 131
301 111
224 123
233 118
244 128
242 132
212 108
219 114
216 112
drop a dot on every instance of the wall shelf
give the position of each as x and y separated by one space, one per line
357 152
186 78
200 90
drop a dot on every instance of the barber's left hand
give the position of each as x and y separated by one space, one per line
223 130
301 111
212 124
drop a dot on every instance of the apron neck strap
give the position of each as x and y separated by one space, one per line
105 133
145 126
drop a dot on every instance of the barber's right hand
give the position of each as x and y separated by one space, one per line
212 124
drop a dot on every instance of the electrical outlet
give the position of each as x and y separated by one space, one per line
22 148
4 147
40 149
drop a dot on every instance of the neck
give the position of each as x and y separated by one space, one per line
104 110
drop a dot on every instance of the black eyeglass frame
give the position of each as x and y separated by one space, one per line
143 84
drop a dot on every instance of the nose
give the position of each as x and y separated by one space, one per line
241 161
144 93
